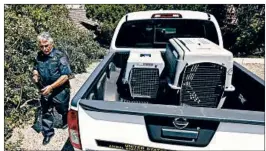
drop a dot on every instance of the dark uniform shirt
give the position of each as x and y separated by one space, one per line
52 66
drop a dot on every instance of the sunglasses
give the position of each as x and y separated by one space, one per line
44 46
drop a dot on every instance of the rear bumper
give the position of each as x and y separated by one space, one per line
130 131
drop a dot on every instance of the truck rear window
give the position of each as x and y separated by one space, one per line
156 33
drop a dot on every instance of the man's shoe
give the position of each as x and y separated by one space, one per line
47 139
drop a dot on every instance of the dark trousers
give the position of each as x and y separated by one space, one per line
59 101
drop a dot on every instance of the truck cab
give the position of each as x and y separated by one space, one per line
152 29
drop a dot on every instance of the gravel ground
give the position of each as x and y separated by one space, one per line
33 140
256 68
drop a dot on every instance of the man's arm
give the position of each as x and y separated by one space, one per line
60 81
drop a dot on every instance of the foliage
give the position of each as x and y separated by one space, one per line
22 25
108 21
249 30
244 38
11 146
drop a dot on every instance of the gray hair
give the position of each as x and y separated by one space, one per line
45 36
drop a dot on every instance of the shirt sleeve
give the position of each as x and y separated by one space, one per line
65 66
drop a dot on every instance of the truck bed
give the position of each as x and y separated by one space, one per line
238 124
105 87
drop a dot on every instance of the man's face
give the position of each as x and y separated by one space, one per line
45 46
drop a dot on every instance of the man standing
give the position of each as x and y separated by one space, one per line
52 71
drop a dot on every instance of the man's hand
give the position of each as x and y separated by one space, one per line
35 78
47 90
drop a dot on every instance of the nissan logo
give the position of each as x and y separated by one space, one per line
180 123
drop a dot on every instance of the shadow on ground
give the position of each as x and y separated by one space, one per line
67 146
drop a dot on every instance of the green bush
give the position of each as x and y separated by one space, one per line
109 16
22 25
250 30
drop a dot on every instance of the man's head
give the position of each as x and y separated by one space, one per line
45 42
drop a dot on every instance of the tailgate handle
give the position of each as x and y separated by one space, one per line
179 134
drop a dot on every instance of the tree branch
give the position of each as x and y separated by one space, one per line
21 91
26 102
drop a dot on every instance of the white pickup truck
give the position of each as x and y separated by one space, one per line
168 84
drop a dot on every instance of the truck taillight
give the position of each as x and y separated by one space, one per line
169 15
73 128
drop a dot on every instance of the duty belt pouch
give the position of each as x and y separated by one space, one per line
37 126
61 96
